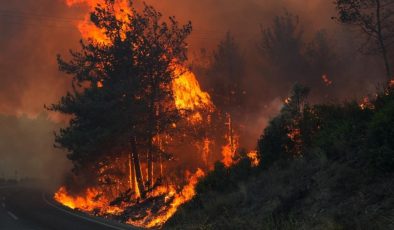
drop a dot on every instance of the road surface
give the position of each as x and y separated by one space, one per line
23 207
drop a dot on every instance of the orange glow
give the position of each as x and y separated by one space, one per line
86 27
366 104
187 193
206 151
89 201
187 91
227 155
100 84
188 96
228 151
254 159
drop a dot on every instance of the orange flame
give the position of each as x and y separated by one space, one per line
187 92
187 95
254 159
187 193
86 27
89 201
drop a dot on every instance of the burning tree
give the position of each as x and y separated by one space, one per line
134 105
131 102
122 94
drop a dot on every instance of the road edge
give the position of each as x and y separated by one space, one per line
94 219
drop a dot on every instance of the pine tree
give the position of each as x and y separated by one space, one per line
121 95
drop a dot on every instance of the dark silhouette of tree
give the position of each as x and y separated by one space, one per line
226 72
287 57
320 55
283 44
375 19
122 96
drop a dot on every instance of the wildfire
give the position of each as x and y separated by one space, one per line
228 155
86 27
92 200
89 201
254 159
187 193
366 103
188 96
187 91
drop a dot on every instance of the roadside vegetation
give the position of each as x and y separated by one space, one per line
324 166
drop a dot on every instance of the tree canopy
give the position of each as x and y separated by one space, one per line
121 89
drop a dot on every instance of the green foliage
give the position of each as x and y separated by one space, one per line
380 134
295 117
225 179
347 131
346 166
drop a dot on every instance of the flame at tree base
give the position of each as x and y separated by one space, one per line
94 202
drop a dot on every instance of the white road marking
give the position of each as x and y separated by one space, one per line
12 215
79 216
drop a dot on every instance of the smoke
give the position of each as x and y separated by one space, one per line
352 74
26 149
34 31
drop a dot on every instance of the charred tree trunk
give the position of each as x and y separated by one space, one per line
150 165
132 184
137 167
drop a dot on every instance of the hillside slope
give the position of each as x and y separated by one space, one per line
322 167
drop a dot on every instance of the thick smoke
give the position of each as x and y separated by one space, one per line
34 31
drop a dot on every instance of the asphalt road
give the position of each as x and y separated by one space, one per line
26 207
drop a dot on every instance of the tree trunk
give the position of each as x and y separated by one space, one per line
132 180
152 122
381 40
137 167
150 165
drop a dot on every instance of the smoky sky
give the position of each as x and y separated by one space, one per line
33 32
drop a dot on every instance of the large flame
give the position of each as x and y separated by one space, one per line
86 27
187 193
187 92
93 201
90 201
187 95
